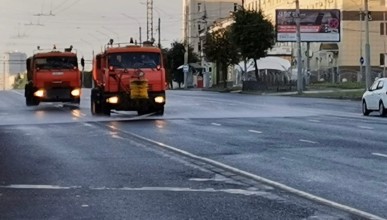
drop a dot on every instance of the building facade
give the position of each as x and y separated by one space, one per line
342 58
198 16
13 64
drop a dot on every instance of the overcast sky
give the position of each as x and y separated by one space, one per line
85 24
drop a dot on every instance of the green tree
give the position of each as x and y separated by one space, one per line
219 49
254 35
175 58
20 81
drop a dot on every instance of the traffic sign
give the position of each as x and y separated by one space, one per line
185 68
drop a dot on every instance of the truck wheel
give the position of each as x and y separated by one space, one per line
30 99
106 110
160 111
96 108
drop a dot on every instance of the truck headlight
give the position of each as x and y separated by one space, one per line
76 92
39 93
112 100
159 99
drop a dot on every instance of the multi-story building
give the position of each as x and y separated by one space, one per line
198 16
13 64
342 58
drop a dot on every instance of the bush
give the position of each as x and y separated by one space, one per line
20 81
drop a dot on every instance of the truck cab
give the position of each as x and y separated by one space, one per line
53 77
128 78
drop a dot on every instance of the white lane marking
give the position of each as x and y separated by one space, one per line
380 155
84 206
255 131
308 141
365 127
216 124
247 192
88 125
263 180
28 186
177 189
314 120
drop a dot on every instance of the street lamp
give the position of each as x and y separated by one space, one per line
139 26
367 46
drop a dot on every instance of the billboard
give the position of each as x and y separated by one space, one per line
316 25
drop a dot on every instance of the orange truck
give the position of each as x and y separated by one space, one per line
128 77
53 76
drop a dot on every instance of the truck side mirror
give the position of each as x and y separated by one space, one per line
83 62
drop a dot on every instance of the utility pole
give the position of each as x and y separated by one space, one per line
367 47
299 57
149 20
361 47
186 68
202 39
4 76
159 31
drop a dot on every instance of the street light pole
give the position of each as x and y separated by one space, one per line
4 76
367 46
299 57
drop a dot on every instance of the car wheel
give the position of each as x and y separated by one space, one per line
382 110
364 108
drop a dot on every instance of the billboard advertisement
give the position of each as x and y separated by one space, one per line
316 25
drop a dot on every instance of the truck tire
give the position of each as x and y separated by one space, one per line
28 93
95 102
159 111
106 109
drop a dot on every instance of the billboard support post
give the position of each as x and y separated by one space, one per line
367 46
299 58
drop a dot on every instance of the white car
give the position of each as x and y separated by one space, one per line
375 98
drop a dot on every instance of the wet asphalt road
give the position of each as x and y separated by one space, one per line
61 163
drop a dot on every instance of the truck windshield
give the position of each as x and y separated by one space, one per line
134 60
56 63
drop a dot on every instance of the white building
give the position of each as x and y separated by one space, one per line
13 63
198 16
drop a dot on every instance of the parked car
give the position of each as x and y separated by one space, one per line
375 98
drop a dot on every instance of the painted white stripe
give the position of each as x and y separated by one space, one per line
216 124
177 189
308 141
262 179
27 186
365 127
313 120
254 131
161 189
380 155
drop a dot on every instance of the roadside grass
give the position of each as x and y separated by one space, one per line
339 94
344 85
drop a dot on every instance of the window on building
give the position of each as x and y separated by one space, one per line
381 59
210 69
199 7
382 28
200 47
199 28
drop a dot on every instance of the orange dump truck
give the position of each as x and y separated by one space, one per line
128 78
53 77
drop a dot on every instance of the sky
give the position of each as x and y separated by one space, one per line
87 25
